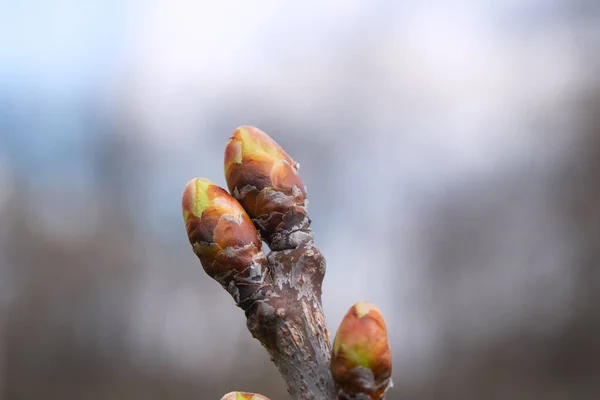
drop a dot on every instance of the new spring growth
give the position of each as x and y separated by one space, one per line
265 180
243 396
222 236
361 362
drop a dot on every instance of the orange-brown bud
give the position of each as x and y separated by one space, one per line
265 180
222 235
243 396
361 361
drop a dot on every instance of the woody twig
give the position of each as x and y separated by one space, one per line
280 293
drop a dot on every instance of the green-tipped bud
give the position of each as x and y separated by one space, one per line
265 180
361 361
222 235
243 396
252 158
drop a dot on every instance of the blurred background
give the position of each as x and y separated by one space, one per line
451 152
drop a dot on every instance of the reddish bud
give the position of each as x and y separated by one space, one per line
243 396
361 361
222 235
265 180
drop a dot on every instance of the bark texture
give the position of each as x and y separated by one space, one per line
288 320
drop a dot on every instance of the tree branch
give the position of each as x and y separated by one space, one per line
281 293
289 322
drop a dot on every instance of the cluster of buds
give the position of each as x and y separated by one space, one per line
281 293
224 239
361 362
243 396
265 180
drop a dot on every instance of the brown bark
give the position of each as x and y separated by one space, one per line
288 320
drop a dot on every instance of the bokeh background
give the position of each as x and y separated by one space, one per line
451 152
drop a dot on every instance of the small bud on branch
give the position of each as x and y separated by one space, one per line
361 363
265 180
224 239
243 396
